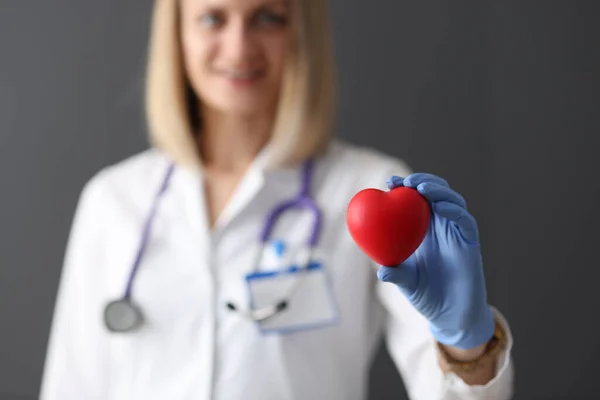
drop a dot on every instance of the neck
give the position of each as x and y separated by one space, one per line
230 143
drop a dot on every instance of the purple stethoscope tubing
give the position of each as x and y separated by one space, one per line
122 315
302 200
147 229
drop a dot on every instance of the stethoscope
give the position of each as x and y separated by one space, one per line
124 315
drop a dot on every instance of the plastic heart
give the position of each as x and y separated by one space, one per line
388 226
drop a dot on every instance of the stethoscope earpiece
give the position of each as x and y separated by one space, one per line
122 315
282 305
260 314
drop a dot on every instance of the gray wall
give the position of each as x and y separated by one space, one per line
498 97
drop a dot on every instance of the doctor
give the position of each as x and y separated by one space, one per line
218 265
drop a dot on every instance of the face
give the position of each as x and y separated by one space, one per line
234 52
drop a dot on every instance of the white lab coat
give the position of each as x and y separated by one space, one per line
192 347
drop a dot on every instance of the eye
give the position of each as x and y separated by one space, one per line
269 18
211 19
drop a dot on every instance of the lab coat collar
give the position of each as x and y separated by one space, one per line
258 174
190 181
250 185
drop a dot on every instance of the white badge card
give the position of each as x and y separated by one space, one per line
307 292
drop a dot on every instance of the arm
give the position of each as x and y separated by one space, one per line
478 365
424 371
477 376
437 305
75 365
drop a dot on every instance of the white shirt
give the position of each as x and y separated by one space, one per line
191 347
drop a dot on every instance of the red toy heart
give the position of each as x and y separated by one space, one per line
388 226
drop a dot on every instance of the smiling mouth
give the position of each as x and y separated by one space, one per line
242 76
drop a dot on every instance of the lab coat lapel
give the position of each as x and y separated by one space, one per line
192 202
250 185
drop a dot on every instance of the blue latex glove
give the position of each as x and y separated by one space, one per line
444 278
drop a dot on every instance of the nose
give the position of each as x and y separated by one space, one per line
238 45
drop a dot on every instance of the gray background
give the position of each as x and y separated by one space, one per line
498 97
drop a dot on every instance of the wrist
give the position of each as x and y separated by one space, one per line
464 362
459 354
470 339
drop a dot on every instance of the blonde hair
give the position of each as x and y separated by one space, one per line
303 125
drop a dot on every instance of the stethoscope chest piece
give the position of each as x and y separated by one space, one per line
122 316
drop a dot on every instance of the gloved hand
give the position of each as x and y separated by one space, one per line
443 278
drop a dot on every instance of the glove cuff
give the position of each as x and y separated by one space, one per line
469 338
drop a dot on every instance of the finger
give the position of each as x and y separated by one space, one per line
461 217
414 180
394 181
435 192
404 275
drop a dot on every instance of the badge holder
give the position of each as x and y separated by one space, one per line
306 292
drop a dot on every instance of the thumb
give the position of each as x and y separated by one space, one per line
404 275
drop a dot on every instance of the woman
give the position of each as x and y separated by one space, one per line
239 105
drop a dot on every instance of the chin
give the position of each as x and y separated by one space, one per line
243 106
241 109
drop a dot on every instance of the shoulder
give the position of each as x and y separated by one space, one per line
362 165
126 180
